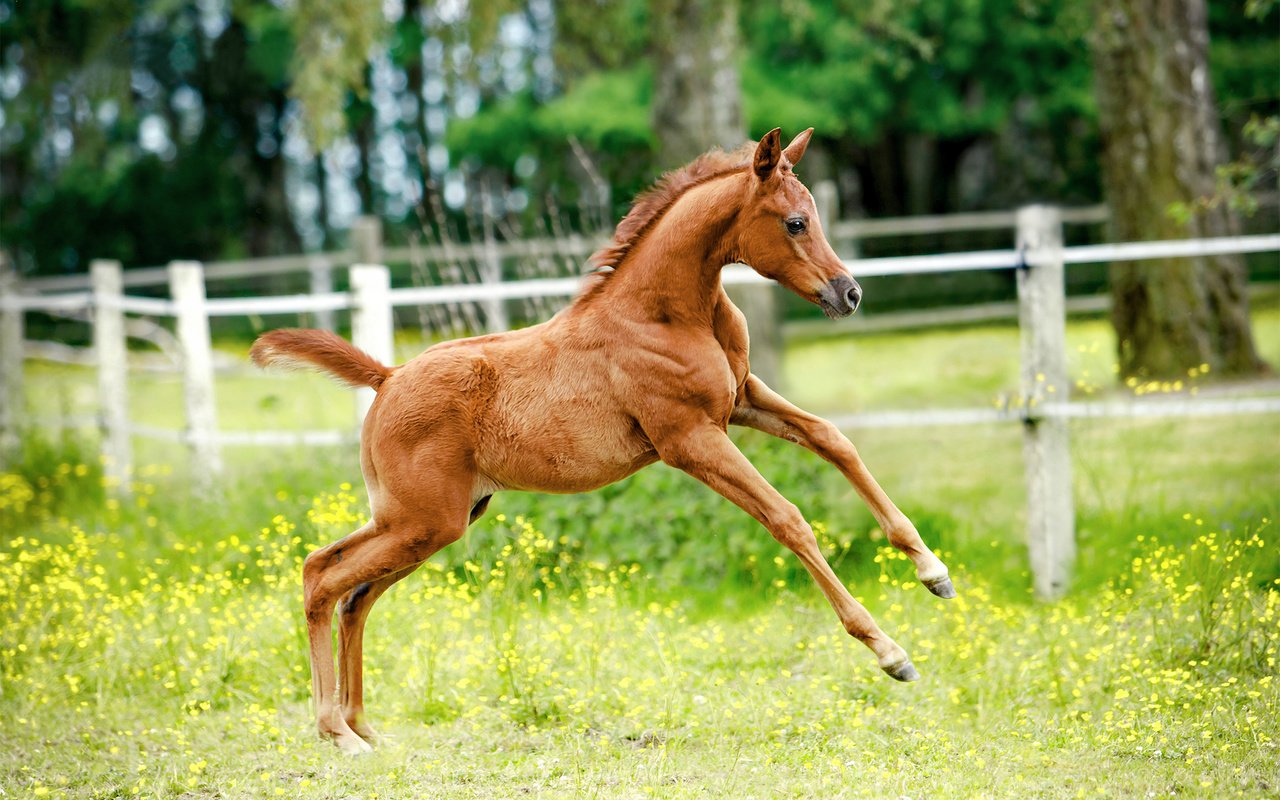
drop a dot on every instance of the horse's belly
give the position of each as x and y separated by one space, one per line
567 449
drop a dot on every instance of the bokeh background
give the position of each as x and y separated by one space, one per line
149 131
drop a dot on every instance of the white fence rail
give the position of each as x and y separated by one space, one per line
366 246
1042 407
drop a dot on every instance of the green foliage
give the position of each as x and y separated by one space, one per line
91 212
600 36
334 43
1237 181
271 45
607 112
498 136
1259 9
958 72
209 187
901 94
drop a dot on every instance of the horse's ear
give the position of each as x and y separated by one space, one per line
768 153
795 150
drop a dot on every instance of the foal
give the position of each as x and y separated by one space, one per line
648 364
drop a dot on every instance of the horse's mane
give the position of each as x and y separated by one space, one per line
651 204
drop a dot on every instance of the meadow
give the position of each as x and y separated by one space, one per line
649 639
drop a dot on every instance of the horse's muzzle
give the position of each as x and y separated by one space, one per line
840 297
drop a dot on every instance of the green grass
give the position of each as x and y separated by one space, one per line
965 367
649 639
174 667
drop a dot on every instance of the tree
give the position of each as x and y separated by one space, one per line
697 96
1161 145
932 105
166 127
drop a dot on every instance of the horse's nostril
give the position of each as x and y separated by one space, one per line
854 296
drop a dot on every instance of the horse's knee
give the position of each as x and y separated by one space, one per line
831 443
826 436
318 609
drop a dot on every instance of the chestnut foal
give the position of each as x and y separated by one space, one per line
649 363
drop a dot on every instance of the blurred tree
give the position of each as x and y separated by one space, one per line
697 96
143 132
154 129
1242 50
408 39
916 96
1161 144
242 80
334 40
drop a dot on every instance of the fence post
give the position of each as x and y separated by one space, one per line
111 350
826 196
1045 447
12 399
321 283
186 287
495 308
366 240
758 302
371 325
827 199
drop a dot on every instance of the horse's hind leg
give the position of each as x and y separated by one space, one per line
352 612
393 542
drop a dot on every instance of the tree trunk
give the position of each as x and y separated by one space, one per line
697 99
1161 143
322 206
697 105
363 131
882 172
415 75
270 229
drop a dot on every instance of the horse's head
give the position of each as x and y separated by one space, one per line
780 235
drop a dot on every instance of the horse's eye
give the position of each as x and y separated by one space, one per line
795 226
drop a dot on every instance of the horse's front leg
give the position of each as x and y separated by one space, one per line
705 452
762 408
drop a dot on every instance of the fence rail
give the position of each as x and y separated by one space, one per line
736 274
1040 260
1131 409
571 245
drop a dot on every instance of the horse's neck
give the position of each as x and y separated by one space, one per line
674 271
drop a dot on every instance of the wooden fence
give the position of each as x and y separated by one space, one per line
1043 408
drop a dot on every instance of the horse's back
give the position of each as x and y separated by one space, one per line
532 409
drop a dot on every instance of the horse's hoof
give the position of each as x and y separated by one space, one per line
352 745
903 671
370 735
942 587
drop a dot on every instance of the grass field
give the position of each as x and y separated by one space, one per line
649 639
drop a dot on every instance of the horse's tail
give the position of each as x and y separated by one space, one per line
297 347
